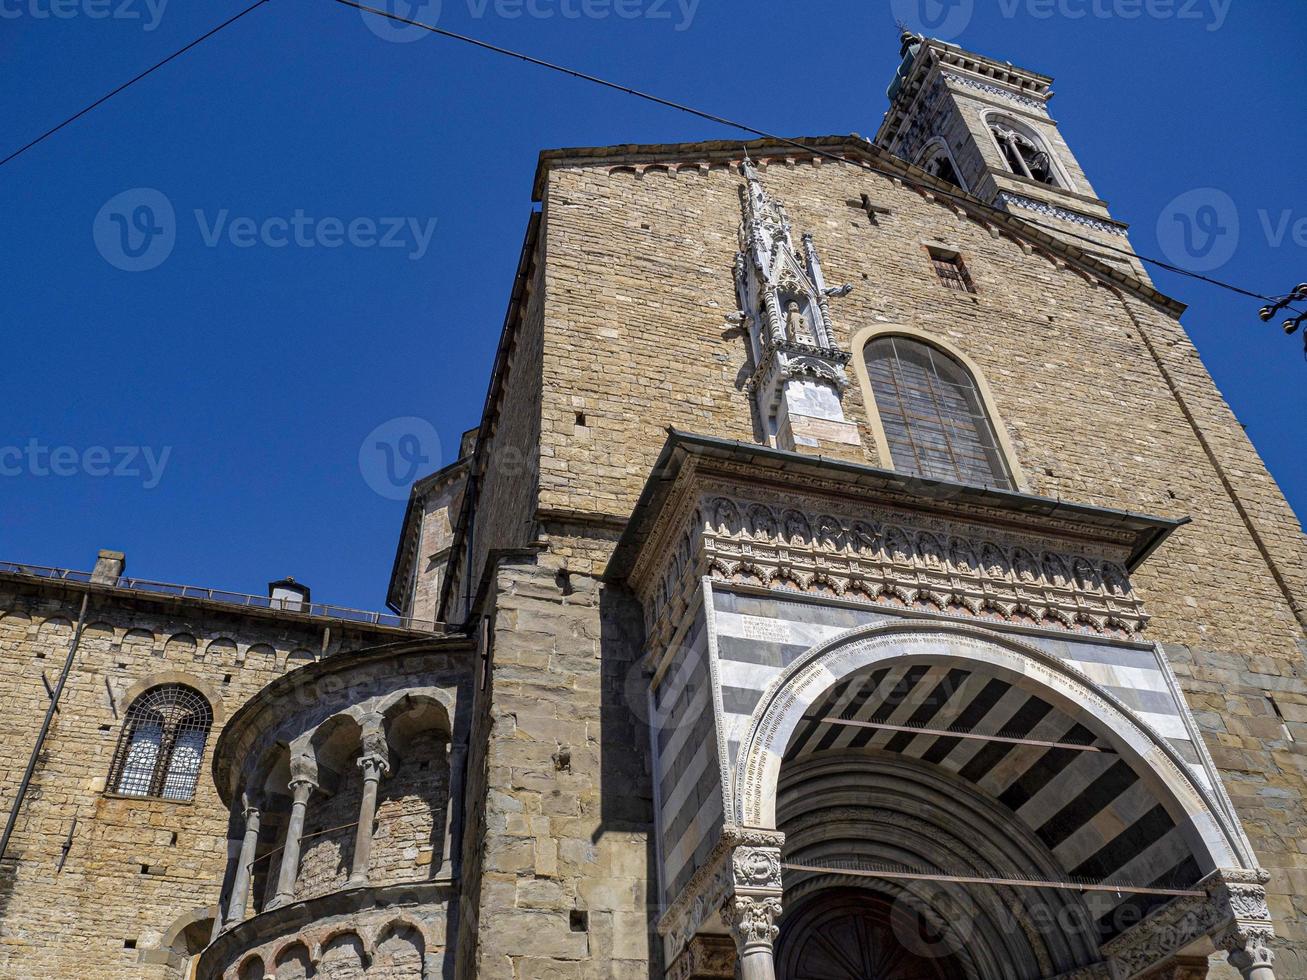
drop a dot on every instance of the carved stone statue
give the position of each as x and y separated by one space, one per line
797 328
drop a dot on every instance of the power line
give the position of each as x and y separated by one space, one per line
103 99
753 130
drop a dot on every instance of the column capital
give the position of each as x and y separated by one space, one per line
752 921
373 766
302 787
1248 949
1245 930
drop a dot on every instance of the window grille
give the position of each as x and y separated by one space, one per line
934 418
162 744
951 271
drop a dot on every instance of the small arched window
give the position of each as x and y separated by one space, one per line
162 744
937 160
1024 152
933 415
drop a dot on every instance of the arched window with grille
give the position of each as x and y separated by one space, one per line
933 413
162 744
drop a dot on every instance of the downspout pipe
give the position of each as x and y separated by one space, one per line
45 728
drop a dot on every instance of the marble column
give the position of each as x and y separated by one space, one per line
1249 952
373 768
240 889
301 789
755 903
753 927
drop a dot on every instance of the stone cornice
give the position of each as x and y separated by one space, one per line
761 517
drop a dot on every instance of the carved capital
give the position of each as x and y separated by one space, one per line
1249 948
757 868
752 921
373 766
303 768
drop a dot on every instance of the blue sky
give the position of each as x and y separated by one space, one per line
247 369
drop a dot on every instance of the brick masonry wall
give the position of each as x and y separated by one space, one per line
135 869
411 806
328 850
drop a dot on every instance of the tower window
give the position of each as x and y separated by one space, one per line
937 160
952 271
934 418
1023 154
162 744
942 167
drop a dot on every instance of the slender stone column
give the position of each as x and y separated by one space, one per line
373 768
755 905
453 810
1250 954
753 926
240 889
290 852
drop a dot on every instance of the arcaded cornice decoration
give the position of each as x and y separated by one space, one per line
962 564
904 559
1000 91
1063 214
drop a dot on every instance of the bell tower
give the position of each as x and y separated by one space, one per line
985 126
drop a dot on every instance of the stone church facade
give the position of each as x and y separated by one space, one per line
854 573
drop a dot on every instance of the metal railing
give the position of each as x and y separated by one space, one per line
246 600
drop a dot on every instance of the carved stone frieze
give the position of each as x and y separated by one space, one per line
989 88
1063 214
705 958
1232 915
757 867
898 558
1168 931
